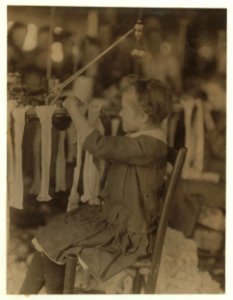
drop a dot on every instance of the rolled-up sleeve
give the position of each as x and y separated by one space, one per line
137 151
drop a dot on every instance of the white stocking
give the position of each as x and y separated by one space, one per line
83 89
45 114
92 174
19 124
188 106
199 146
194 141
74 196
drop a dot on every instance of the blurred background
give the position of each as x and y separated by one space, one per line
191 41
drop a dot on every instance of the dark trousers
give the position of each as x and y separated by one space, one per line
42 271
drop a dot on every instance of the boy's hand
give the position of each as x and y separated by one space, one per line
73 104
70 103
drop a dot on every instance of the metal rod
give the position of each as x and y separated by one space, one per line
75 75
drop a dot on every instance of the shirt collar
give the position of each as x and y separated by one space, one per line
157 133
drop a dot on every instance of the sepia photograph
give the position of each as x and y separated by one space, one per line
116 150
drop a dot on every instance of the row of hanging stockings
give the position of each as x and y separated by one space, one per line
42 145
197 116
16 126
93 170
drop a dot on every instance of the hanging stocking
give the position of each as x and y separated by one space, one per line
209 122
36 181
19 124
83 89
188 106
45 114
74 196
93 168
194 141
199 147
11 104
61 163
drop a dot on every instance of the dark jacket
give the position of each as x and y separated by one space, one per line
134 178
110 238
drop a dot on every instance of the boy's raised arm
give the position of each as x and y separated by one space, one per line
136 151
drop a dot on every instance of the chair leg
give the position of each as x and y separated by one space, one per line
70 272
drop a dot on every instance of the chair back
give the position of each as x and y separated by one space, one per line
176 159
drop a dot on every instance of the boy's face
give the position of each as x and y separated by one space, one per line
132 117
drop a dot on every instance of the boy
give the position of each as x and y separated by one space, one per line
111 237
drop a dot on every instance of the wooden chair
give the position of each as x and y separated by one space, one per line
176 159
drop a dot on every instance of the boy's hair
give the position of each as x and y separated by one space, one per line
154 96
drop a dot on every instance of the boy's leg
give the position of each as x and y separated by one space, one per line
54 276
34 279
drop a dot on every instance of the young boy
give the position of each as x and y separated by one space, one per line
111 237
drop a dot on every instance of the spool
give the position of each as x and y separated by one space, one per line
61 122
